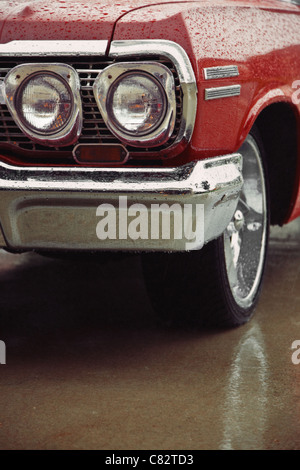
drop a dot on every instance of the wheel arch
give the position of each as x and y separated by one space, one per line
277 124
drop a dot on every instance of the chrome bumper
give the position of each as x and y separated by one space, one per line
55 208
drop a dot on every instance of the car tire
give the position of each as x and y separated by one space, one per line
220 284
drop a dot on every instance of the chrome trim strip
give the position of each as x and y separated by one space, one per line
68 134
56 48
177 55
55 208
150 47
222 92
80 178
226 71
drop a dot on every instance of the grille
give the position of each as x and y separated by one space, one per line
94 129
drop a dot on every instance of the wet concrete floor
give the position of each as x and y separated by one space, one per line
88 366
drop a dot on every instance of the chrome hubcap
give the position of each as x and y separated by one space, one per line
245 236
238 219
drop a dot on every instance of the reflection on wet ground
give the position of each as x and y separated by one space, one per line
88 366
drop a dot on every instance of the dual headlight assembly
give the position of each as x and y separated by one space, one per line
136 100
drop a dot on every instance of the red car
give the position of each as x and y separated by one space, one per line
166 128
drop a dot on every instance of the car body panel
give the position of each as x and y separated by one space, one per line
260 38
56 20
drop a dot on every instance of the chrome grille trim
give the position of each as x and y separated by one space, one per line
94 128
177 55
88 65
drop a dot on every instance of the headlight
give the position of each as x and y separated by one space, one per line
44 100
44 103
137 102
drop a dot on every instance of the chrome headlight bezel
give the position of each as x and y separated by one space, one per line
18 77
157 72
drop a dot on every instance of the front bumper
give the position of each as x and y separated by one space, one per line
56 208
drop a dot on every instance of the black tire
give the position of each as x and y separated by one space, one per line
220 284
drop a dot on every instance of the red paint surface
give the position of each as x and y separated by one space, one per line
58 20
265 44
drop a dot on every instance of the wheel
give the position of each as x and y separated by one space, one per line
220 284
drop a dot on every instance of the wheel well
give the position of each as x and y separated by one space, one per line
277 126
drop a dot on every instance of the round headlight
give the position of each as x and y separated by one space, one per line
44 103
136 103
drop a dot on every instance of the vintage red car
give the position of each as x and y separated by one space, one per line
153 127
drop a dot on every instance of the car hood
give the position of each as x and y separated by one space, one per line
64 19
